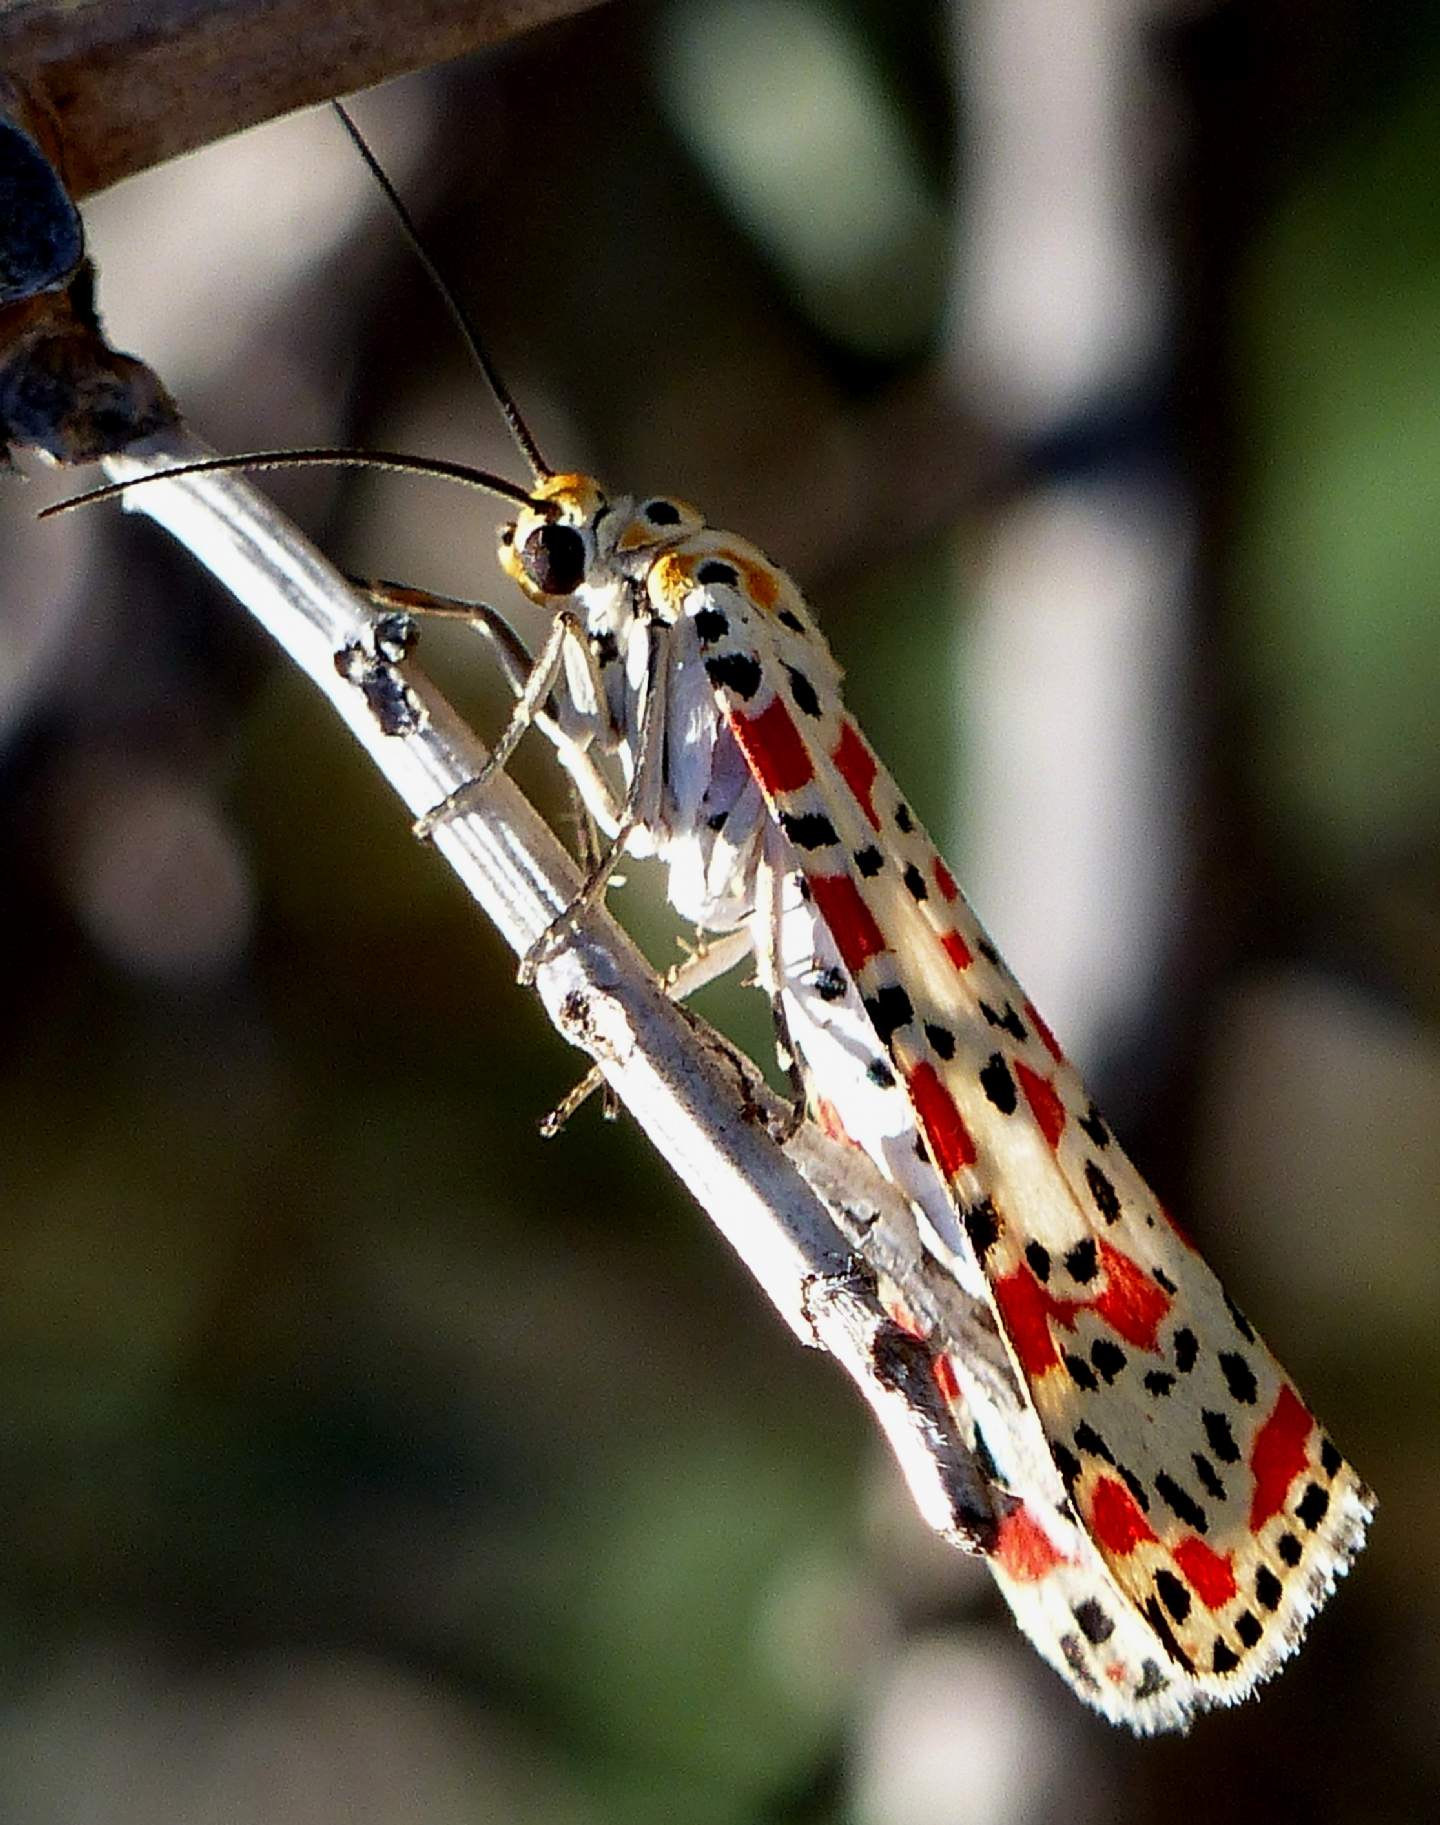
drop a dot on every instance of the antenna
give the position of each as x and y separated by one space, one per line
519 430
295 459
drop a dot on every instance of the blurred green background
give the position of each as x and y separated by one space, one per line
366 1457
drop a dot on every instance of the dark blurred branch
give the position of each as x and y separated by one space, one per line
116 86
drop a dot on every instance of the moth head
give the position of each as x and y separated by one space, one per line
548 549
555 543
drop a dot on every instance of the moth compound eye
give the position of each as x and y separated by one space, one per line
554 559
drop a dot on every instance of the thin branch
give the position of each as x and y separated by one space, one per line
814 1224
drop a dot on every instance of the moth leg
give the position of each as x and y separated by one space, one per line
640 808
513 656
785 1047
703 966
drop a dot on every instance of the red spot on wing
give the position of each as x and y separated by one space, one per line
944 1126
1278 1456
1024 1549
1047 1038
1209 1574
774 748
1116 1519
1132 1304
1026 1310
945 1378
957 950
1045 1104
850 921
858 767
944 880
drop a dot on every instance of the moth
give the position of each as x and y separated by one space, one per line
1171 1512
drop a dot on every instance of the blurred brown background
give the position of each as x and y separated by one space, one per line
366 1458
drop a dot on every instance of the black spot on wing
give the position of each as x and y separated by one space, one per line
1158 1383
1173 1594
915 882
1221 1439
1080 1372
808 829
1209 1480
1181 1503
1248 1628
737 672
793 622
1160 1622
715 573
830 985
1312 1506
1008 1022
880 1074
1290 1549
1095 1128
942 1040
1037 1257
982 1226
889 1009
1103 1192
803 692
711 625
1076 1659
869 861
1224 1659
998 1084
1238 1319
1108 1358
1268 1588
903 819
1095 1625
1239 1378
1082 1262
1186 1346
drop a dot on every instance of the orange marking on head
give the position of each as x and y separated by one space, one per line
671 575
1278 1456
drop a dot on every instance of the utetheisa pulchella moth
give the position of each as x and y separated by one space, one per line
1169 1513
1176 1514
